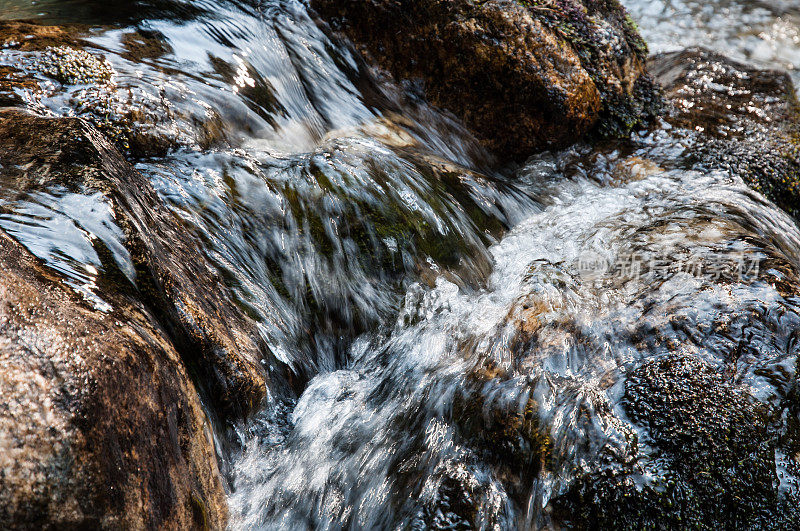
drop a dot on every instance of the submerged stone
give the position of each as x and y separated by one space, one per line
145 44
664 379
13 82
524 76
738 118
29 36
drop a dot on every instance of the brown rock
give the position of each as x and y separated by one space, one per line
138 126
523 75
738 118
174 279
143 44
100 425
11 81
27 36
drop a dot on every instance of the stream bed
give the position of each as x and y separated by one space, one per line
467 338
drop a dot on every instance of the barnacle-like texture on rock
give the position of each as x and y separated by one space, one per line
713 445
137 120
74 67
742 119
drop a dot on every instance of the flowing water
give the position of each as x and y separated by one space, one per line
427 298
765 33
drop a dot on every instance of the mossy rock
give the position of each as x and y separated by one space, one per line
371 227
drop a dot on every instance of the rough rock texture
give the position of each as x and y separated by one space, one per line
55 62
173 277
12 80
100 425
715 450
27 36
743 120
523 75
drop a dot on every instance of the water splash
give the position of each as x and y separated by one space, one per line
419 418
465 337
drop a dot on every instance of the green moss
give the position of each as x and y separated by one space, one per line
575 22
199 512
634 37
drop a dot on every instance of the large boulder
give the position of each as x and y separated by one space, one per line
736 118
102 372
171 275
100 425
523 75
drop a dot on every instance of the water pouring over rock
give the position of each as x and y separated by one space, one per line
367 265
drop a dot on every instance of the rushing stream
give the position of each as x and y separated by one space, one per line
410 283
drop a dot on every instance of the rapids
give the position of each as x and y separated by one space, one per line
395 268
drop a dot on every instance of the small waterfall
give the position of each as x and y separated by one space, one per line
461 332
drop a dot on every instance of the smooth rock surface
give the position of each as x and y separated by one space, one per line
100 425
173 278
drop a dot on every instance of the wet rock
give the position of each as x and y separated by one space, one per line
13 83
100 425
139 122
740 119
173 277
145 44
462 501
714 450
523 75
258 93
665 409
352 217
714 435
74 67
507 430
28 36
40 52
140 129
